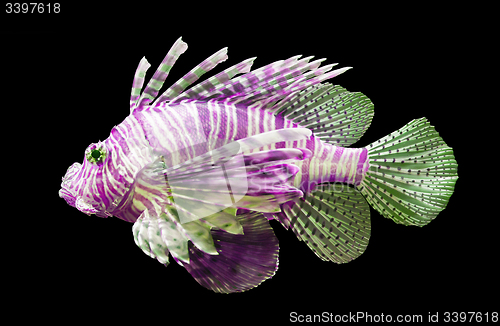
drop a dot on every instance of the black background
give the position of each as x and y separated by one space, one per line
68 80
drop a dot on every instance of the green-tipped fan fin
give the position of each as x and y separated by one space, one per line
334 221
412 174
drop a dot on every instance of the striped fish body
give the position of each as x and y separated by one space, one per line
192 128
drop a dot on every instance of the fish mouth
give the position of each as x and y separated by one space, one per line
83 204
70 174
65 191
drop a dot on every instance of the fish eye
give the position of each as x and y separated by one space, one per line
95 153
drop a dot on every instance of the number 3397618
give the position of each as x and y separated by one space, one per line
32 7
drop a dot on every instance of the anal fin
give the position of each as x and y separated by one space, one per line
243 261
334 221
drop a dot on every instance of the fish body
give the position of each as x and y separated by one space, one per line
201 171
192 128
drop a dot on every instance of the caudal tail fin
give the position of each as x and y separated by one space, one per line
412 174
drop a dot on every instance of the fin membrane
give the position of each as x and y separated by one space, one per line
192 76
412 174
265 85
243 261
199 91
138 82
334 221
220 178
334 115
268 83
156 82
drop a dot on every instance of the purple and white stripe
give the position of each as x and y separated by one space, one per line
191 128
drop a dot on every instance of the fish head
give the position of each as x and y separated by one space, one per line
85 186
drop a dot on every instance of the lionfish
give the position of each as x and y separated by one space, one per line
201 171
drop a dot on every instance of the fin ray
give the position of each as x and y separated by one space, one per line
334 223
138 82
156 82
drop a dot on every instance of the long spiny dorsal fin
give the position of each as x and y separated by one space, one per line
196 92
276 83
140 73
290 87
192 76
264 82
225 86
159 76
